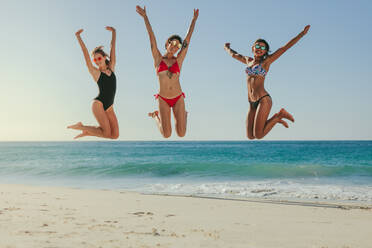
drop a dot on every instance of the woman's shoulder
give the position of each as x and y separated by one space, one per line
248 60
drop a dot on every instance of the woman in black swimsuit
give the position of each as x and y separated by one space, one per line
103 104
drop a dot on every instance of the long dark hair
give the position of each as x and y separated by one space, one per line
267 49
99 50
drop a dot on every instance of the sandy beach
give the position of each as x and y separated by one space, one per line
33 216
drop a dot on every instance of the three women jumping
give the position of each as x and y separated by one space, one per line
170 96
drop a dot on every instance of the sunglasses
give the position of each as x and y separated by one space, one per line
98 59
260 47
174 43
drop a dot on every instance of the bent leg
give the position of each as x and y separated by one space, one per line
262 125
165 126
249 123
103 130
180 116
114 125
163 118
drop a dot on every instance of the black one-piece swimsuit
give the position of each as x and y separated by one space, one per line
107 89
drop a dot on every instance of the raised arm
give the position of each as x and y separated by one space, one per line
112 51
234 54
92 70
154 47
283 49
182 54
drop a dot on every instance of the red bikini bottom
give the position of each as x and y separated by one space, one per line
171 101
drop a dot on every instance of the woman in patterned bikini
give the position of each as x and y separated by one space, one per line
168 67
258 125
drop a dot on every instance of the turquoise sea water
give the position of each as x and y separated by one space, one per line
331 170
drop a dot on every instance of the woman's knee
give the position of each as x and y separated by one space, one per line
181 132
166 129
167 133
259 135
249 131
115 135
106 132
181 129
181 135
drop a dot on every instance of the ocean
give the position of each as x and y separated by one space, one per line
288 170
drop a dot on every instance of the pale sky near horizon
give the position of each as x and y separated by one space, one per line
324 80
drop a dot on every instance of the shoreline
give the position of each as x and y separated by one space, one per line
39 216
331 203
283 201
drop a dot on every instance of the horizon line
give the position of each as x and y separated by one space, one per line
164 140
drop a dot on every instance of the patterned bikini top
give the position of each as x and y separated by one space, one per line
256 70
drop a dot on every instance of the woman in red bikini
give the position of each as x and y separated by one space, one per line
168 67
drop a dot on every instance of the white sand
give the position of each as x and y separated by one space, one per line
62 217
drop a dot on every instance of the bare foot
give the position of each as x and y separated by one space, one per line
154 114
83 134
284 114
76 126
283 123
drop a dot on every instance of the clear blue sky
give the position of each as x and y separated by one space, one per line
324 80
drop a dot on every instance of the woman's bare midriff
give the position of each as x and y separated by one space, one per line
256 89
169 87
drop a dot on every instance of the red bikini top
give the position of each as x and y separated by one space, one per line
173 68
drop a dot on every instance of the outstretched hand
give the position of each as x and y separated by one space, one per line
79 32
141 11
110 28
196 13
306 29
